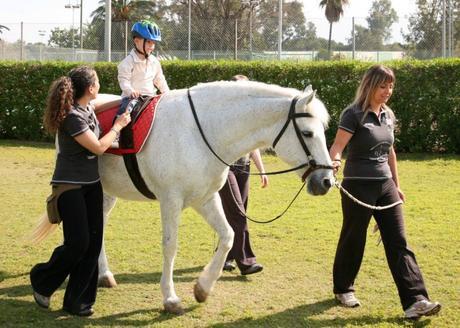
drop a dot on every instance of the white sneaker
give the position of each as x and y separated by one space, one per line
348 299
423 307
41 300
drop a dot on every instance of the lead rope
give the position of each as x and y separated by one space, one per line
357 201
378 208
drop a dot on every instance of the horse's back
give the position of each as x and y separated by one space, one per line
174 158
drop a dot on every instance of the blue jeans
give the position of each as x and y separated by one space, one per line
124 102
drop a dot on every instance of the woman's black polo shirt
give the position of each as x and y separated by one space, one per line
370 144
74 163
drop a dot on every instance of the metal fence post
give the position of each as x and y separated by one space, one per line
108 30
235 54
250 32
443 41
22 41
450 28
280 28
353 40
81 27
189 29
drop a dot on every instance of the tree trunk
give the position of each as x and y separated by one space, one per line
329 43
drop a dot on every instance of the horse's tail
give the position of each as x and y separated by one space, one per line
42 230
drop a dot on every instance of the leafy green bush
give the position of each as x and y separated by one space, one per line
426 99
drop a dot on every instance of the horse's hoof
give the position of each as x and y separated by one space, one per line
107 281
200 294
174 308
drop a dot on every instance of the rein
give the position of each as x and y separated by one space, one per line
291 117
276 217
311 162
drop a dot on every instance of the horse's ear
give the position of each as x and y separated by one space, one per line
310 96
306 99
308 89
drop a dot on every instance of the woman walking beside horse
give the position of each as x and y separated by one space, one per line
371 175
70 115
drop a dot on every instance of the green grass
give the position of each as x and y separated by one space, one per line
297 251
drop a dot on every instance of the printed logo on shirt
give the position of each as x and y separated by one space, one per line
380 152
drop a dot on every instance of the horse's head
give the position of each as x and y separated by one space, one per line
302 141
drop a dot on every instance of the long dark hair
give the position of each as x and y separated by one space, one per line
63 93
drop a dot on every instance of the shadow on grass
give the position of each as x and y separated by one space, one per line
180 275
304 316
14 313
5 275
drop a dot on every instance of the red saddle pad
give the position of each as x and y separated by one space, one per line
141 128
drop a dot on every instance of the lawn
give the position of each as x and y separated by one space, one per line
297 251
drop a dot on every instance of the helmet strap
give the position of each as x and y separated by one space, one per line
144 53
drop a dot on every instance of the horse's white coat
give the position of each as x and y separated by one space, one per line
181 171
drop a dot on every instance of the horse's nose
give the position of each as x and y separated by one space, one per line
327 183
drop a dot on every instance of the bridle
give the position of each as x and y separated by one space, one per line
312 165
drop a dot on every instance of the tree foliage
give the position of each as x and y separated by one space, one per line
124 14
381 17
425 28
64 38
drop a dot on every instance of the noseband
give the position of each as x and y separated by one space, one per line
312 165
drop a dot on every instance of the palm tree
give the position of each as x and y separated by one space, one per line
125 10
3 27
334 9
123 13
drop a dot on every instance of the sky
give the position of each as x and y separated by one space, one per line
40 16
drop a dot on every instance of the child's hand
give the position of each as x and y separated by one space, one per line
135 94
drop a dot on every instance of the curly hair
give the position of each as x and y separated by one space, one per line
63 93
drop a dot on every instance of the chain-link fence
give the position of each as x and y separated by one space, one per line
245 38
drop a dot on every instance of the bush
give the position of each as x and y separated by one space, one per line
426 98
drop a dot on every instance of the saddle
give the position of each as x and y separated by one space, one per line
134 135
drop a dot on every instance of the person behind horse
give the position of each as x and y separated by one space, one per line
366 128
70 115
140 72
234 196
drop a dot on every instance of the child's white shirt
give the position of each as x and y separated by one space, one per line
144 76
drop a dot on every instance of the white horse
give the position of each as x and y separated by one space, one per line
182 171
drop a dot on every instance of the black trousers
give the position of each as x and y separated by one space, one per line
77 258
234 195
350 248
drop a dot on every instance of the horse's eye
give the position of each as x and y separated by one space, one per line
307 134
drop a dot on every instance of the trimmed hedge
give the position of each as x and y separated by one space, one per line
426 99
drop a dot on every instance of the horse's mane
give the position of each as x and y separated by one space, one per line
259 89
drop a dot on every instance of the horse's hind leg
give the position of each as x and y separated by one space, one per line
170 216
213 212
106 278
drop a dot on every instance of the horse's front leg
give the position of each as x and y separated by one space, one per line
213 212
106 278
170 217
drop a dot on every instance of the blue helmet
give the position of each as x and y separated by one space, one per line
146 30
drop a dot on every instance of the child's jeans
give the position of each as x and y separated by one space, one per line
124 102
